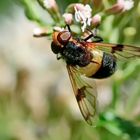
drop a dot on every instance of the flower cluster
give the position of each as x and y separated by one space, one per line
83 15
80 14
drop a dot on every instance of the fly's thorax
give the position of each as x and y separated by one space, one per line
75 54
94 65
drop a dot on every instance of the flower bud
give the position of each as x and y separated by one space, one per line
116 8
38 32
96 20
120 6
52 8
50 4
68 18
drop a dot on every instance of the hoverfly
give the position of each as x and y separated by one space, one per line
87 59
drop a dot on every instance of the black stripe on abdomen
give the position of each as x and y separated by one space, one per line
107 68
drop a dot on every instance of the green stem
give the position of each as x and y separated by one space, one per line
31 12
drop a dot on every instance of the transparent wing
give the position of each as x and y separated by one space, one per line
85 93
120 51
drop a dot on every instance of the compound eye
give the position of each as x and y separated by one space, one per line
64 37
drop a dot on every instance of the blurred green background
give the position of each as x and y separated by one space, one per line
36 98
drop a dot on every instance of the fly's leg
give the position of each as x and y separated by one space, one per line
94 35
69 29
58 56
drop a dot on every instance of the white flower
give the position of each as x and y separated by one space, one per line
68 18
39 32
128 4
121 6
83 15
49 3
57 28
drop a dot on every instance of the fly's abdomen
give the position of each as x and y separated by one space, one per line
108 66
94 65
101 66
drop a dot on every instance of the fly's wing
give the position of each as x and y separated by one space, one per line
120 51
85 93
